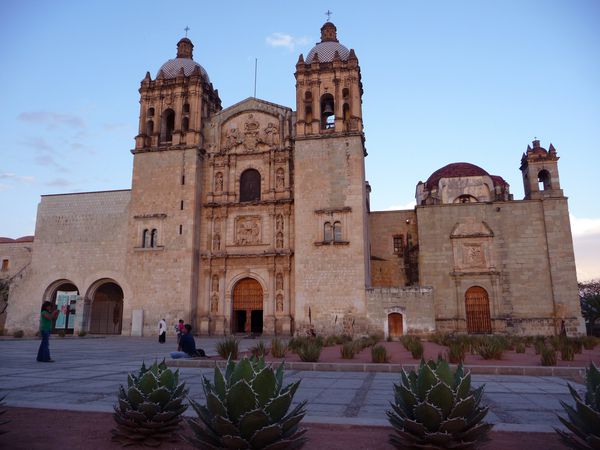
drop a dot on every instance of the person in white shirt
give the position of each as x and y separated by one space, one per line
162 331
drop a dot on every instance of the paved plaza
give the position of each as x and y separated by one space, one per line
88 372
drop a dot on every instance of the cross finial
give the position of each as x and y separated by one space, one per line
186 30
328 14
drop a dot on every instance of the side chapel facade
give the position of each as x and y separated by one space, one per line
256 219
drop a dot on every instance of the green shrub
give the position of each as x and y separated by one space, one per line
567 352
310 351
342 339
259 350
456 352
278 348
435 408
589 342
247 407
491 347
577 343
548 356
520 347
347 350
18 334
539 344
82 333
330 341
379 354
416 349
228 348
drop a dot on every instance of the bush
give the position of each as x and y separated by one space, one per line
310 350
18 334
577 344
379 354
260 350
347 350
589 342
228 348
548 356
81 333
520 347
491 347
416 349
567 352
456 352
278 348
539 344
330 341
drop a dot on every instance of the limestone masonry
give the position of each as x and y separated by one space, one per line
256 219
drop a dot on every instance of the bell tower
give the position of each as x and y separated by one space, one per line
164 222
540 172
330 198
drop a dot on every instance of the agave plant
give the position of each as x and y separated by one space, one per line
150 409
247 408
436 408
583 420
2 412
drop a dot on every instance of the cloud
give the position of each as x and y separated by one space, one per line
4 187
583 227
38 143
285 40
586 244
52 119
59 182
21 178
409 205
116 126
46 160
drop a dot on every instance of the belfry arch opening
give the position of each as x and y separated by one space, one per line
544 180
167 126
327 112
107 309
247 310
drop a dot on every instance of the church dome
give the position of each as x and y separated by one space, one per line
184 60
328 46
455 170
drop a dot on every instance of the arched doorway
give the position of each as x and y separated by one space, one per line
395 326
477 308
247 314
64 295
107 309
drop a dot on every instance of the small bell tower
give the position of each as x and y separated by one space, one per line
540 172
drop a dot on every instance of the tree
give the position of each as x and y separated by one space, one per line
4 287
589 296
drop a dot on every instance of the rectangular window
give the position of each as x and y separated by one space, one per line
398 244
181 206
4 265
180 229
182 179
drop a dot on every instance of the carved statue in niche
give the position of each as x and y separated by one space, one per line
214 304
279 282
279 240
279 179
216 242
215 283
272 134
248 230
279 303
279 222
219 182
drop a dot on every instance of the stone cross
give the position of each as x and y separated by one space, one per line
328 14
186 30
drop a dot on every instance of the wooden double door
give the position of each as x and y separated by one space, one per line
247 314
477 309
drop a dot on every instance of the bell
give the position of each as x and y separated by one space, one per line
328 111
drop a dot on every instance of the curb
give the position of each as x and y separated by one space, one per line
576 373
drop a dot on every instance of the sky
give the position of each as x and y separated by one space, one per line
444 81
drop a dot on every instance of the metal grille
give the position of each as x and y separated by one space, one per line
247 295
477 307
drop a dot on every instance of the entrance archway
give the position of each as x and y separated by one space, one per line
64 295
395 326
247 314
477 308
107 309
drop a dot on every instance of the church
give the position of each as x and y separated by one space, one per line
255 219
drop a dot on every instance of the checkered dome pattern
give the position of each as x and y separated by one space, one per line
172 67
326 50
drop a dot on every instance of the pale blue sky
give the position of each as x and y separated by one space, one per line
443 82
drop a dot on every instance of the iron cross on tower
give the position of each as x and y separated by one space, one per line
186 30
328 14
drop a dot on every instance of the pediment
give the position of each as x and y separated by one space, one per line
470 228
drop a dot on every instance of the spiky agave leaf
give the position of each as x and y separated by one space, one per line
248 407
436 408
149 410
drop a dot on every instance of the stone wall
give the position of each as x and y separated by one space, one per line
80 239
414 303
18 257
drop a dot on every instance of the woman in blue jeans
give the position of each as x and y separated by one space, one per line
47 315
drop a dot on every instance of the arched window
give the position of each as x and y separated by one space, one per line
167 126
250 186
186 108
154 238
185 124
327 232
544 180
150 112
465 198
150 127
337 231
146 238
308 114
327 112
346 108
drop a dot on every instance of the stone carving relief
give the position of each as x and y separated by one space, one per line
279 303
271 133
214 304
279 282
218 182
279 222
279 179
247 230
247 131
216 242
215 283
473 255
279 240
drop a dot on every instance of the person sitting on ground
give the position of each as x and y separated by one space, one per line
187 344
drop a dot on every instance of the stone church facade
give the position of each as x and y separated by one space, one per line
255 219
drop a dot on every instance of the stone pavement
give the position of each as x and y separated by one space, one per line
88 372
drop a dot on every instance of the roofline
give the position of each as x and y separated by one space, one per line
86 192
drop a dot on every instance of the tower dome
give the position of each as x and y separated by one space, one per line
328 46
184 60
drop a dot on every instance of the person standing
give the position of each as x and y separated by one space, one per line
187 344
162 331
179 329
47 314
